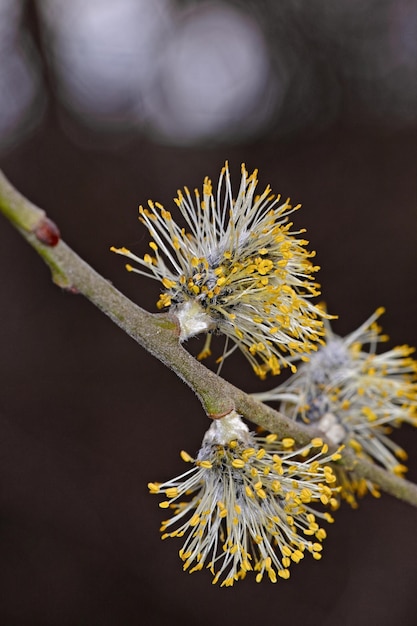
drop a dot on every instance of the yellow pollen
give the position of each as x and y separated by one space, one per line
205 464
186 457
369 414
167 283
317 442
271 438
249 492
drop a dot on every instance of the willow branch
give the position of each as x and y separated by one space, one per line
158 334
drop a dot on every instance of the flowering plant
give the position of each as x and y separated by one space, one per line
355 396
236 268
249 502
252 501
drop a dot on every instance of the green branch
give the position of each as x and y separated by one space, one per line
159 335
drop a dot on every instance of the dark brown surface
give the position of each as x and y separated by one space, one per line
88 418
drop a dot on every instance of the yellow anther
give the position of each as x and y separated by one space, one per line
207 187
271 437
369 414
297 555
167 282
306 495
247 453
121 250
272 575
205 464
401 454
186 457
276 485
317 442
249 492
355 445
164 301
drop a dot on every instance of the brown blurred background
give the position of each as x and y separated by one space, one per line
104 104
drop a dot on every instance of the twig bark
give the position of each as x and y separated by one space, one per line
158 333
